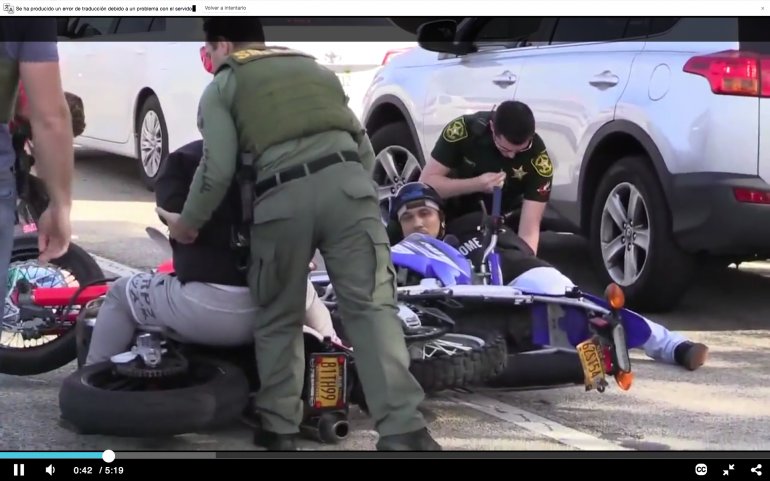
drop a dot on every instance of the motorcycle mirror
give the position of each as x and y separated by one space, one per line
160 239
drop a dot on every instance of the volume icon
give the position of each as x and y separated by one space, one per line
50 469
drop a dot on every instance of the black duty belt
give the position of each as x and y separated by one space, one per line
299 171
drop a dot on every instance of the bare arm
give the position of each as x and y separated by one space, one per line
530 221
436 175
51 124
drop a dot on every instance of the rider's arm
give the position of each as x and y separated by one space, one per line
48 112
537 192
175 176
216 170
447 156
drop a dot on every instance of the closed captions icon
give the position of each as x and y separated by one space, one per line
701 469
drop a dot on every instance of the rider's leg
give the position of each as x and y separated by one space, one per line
317 315
543 280
193 312
673 348
663 345
114 327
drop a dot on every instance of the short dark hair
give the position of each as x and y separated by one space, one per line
515 121
233 29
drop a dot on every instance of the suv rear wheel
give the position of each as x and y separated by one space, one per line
396 162
631 241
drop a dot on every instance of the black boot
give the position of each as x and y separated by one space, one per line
275 442
419 440
691 355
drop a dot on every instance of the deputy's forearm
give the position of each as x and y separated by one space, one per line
207 191
448 187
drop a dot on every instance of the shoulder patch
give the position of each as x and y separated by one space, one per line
542 164
455 131
246 55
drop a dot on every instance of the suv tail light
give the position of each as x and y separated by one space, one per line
392 53
733 72
751 196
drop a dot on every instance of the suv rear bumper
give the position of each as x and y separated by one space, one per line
708 218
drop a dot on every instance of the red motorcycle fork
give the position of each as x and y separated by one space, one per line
62 296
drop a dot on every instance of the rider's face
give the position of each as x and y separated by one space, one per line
424 220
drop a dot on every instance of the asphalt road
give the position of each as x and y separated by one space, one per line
723 406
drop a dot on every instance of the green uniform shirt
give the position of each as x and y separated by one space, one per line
466 146
216 170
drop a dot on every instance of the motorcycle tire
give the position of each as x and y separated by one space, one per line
63 350
486 360
539 369
217 397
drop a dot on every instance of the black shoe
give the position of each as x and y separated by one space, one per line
419 440
691 355
275 442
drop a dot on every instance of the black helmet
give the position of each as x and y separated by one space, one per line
414 192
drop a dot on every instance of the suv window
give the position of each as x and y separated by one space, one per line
505 32
589 29
158 24
93 26
133 25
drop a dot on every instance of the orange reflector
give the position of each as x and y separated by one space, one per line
615 296
624 380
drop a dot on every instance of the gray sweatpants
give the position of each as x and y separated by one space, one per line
194 312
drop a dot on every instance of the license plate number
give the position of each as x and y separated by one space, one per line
593 367
328 380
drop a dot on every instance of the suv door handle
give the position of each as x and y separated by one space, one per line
604 79
505 79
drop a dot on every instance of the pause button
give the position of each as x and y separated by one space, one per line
18 470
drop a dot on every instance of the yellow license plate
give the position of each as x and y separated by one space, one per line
593 366
328 381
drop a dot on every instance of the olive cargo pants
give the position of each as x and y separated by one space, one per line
335 211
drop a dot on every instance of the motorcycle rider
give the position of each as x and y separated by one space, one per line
207 300
417 207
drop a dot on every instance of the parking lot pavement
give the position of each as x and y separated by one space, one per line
725 405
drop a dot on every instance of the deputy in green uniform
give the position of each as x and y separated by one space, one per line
313 191
479 151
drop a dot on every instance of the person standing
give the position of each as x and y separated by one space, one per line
29 54
313 190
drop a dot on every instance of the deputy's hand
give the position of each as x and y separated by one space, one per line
177 229
487 182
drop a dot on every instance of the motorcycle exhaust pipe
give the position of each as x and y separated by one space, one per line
328 428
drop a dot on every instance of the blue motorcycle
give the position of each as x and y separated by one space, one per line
551 337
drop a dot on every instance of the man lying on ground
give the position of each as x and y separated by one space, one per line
417 208
207 300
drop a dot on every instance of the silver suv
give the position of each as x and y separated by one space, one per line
655 134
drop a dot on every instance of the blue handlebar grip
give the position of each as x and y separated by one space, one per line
497 199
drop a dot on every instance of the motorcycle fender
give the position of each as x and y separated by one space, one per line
637 329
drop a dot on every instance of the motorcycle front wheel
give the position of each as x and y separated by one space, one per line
21 353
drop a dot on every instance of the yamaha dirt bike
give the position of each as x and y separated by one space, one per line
156 387
552 337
